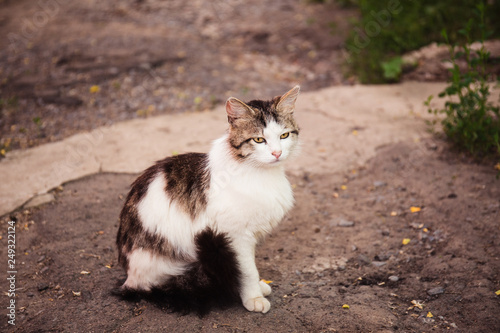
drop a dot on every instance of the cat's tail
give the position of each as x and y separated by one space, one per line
211 282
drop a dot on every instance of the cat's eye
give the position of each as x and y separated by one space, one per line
284 135
259 140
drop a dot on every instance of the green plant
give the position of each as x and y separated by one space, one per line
39 126
10 102
38 121
392 69
347 3
387 29
471 120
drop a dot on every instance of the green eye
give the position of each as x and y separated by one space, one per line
284 135
259 140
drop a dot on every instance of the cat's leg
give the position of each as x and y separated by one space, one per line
147 269
251 292
265 288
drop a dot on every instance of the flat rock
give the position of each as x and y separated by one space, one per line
324 263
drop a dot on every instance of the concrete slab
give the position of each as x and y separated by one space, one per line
341 129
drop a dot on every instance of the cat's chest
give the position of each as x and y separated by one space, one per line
252 198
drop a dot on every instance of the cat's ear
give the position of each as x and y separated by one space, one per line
236 109
286 103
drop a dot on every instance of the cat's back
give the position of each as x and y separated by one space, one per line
163 202
182 177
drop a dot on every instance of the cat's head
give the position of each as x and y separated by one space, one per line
263 133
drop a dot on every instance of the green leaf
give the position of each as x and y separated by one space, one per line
392 68
444 34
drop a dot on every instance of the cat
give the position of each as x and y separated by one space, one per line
190 223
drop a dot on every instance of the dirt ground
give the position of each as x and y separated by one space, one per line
148 57
341 245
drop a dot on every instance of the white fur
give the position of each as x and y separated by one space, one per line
147 269
246 200
161 216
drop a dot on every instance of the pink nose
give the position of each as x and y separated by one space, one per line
276 154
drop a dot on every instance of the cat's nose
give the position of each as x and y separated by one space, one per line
276 154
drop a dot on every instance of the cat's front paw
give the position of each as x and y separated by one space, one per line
257 304
265 288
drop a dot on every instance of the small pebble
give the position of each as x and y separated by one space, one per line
379 183
393 278
382 257
42 286
364 260
43 270
435 291
345 223
378 263
41 258
432 146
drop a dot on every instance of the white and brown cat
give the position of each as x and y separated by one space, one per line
190 223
